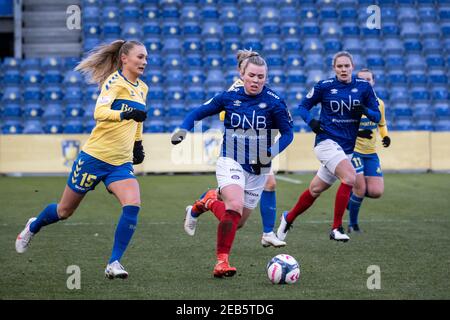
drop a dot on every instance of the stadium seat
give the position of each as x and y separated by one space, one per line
53 127
74 110
12 109
53 110
32 93
33 126
155 126
73 127
33 110
12 127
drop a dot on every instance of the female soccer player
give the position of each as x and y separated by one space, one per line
267 206
369 177
254 114
115 144
344 99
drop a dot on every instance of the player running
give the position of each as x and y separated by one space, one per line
344 99
267 204
369 177
115 144
254 115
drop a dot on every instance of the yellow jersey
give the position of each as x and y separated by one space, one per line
368 146
112 139
237 83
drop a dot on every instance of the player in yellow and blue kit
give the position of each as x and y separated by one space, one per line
369 179
115 144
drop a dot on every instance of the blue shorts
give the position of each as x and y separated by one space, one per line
368 164
88 171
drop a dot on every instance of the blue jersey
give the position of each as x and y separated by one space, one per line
338 117
251 124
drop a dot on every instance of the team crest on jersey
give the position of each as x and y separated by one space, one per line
237 103
310 93
132 93
70 149
211 149
354 90
333 91
262 105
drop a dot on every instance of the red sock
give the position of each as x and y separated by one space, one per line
218 208
304 202
342 197
227 231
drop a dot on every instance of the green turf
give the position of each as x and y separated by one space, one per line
407 234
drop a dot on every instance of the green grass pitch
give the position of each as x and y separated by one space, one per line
407 234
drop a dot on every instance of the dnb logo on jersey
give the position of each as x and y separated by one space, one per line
70 150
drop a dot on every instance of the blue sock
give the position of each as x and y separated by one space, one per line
124 231
268 207
354 204
48 216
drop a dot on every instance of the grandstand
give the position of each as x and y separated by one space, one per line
192 45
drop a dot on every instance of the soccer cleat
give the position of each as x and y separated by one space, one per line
270 239
24 238
201 205
284 227
190 222
223 269
354 228
115 270
338 234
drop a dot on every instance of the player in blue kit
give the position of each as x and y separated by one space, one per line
344 99
115 144
267 204
254 115
369 177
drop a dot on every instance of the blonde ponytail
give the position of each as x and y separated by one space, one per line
103 60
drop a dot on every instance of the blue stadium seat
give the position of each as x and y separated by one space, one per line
32 126
253 43
403 125
442 125
269 12
394 60
52 77
192 28
151 28
250 29
415 61
153 77
195 93
53 93
407 14
12 127
229 13
89 126
170 12
12 109
52 63
424 125
426 12
439 92
11 64
312 45
352 44
348 13
412 45
442 110
73 126
11 94
212 45
437 77
74 110
156 94
431 29
399 94
314 61
53 110
212 29
31 77
12 76
410 30
155 126
91 94
172 45
390 29
190 12
154 60
231 29
271 28
32 93
110 13
332 45
432 46
33 110
111 29
209 12
374 60
53 127
272 45
173 61
417 77
419 93
153 44
171 29
194 60
132 31
232 44
150 13
73 78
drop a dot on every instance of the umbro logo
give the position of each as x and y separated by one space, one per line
237 103
354 90
333 91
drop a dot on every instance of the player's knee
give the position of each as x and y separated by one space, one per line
375 193
65 212
235 205
349 179
315 191
271 185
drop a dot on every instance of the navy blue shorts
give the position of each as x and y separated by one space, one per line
88 171
369 164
